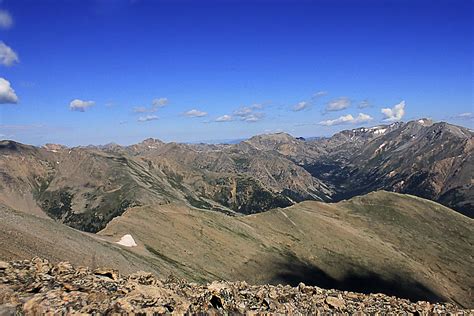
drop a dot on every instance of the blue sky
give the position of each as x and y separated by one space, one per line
77 72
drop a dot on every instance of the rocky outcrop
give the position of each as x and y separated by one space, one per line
38 287
422 158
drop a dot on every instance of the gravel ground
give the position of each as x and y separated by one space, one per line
37 287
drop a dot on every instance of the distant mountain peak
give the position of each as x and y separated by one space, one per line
151 141
279 137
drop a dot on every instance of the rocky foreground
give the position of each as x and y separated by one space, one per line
37 287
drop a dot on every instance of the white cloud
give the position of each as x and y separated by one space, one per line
6 20
142 109
159 102
249 113
301 106
341 120
246 110
224 118
7 94
147 118
348 119
307 104
394 114
338 104
320 94
243 111
195 113
80 105
7 56
464 116
254 117
257 106
364 104
155 105
363 118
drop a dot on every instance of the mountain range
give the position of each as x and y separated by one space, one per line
85 187
269 209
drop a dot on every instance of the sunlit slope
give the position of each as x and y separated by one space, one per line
381 242
23 236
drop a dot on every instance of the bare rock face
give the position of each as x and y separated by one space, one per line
38 287
430 160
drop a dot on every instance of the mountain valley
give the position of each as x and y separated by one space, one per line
85 187
349 212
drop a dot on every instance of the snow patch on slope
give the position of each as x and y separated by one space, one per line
127 241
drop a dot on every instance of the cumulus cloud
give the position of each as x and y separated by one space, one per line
307 104
7 94
224 118
147 118
6 20
338 104
348 119
80 105
195 113
364 104
395 113
250 113
301 106
155 105
7 56
159 102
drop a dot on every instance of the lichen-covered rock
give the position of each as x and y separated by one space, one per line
38 287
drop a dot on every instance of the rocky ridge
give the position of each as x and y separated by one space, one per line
38 287
86 187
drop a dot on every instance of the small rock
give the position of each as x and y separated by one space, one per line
301 286
335 302
144 278
216 286
42 265
3 265
273 294
64 267
107 272
70 287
